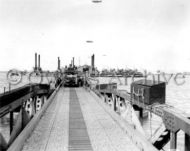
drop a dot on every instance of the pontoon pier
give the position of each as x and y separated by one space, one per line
89 117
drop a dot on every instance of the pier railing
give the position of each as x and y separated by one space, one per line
19 106
173 119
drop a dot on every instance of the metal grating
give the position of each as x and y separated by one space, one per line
78 135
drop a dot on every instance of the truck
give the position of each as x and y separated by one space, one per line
72 77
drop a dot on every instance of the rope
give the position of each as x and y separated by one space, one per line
151 123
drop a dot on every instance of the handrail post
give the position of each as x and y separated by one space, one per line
114 103
99 85
99 81
9 86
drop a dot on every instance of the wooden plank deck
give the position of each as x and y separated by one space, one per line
76 121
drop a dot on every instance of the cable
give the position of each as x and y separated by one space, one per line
151 122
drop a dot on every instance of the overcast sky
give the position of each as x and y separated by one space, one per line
142 34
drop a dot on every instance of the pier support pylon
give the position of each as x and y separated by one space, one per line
143 113
173 140
187 142
11 121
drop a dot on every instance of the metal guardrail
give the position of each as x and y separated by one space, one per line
173 119
130 130
25 102
26 132
14 98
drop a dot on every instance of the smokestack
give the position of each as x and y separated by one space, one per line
73 61
35 67
38 62
92 62
58 66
